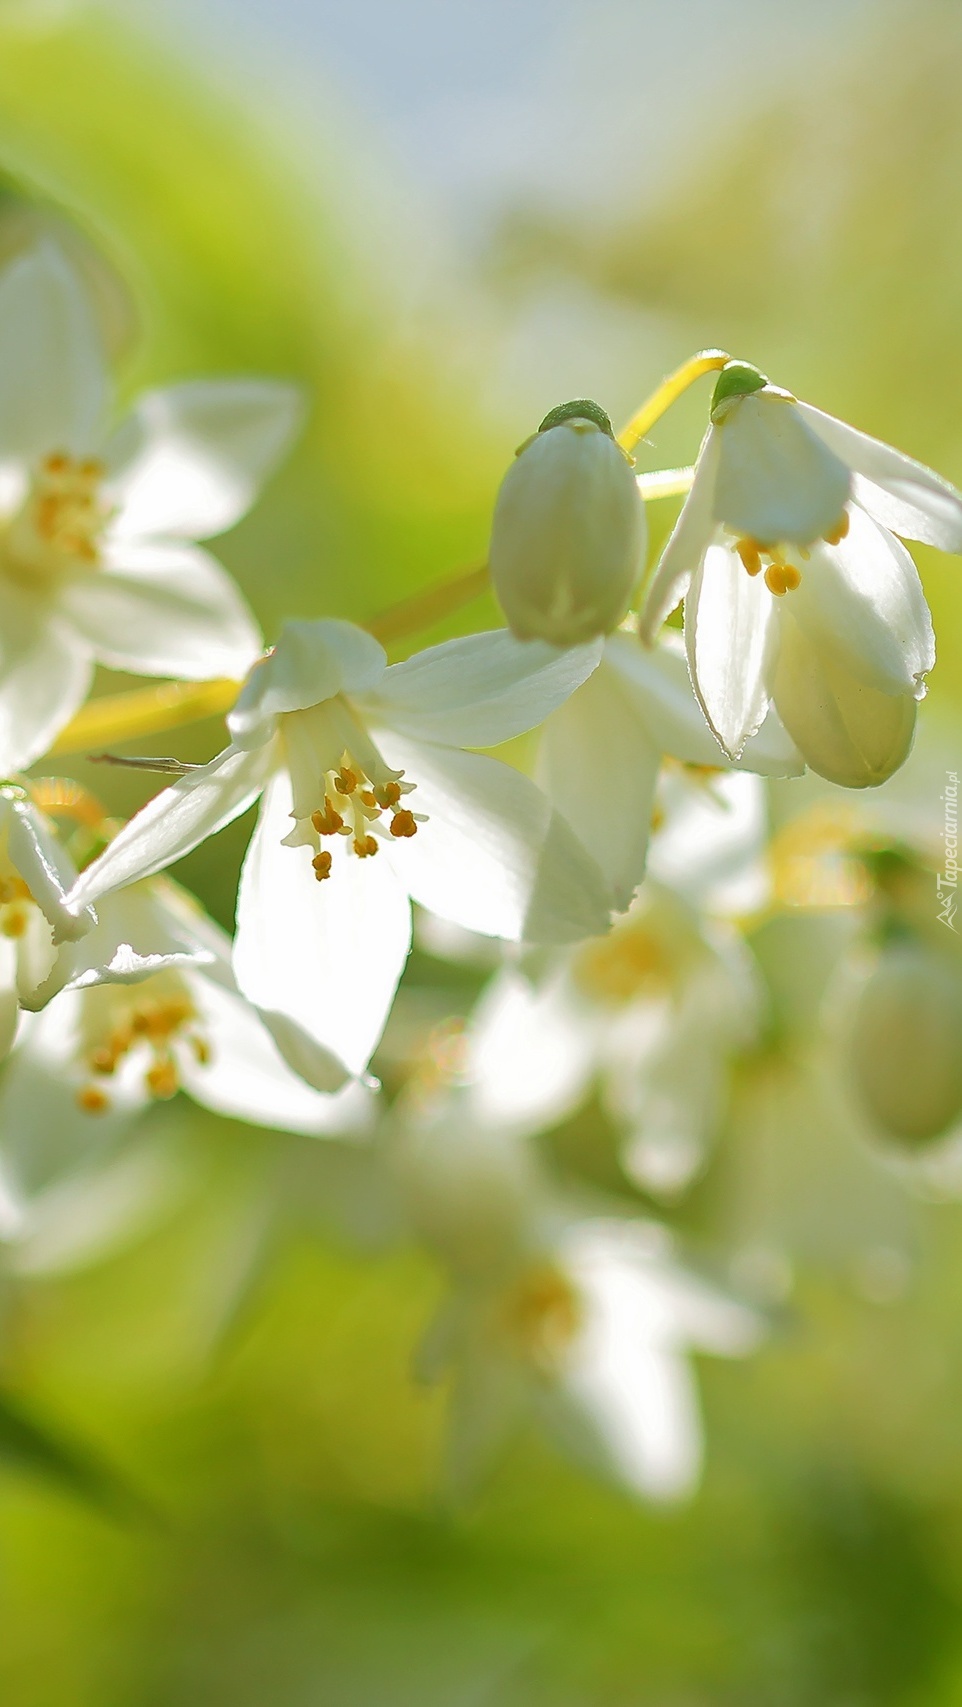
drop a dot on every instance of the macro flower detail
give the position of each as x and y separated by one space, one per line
97 524
786 545
569 532
337 743
35 875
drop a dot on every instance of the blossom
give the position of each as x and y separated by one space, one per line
97 560
604 749
356 760
35 874
145 1005
569 532
796 590
578 1323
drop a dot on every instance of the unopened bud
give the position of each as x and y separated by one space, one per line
569 533
845 730
906 1042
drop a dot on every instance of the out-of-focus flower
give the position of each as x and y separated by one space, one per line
601 752
97 560
356 760
144 1006
35 874
579 1323
795 589
905 1043
569 532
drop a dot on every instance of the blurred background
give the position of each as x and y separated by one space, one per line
443 219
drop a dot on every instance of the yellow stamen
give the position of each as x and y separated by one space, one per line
365 846
403 823
161 1079
15 921
541 1314
750 553
322 865
345 781
92 1100
836 534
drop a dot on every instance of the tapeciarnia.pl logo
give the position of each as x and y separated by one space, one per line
947 881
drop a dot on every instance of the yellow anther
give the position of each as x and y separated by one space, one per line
345 781
322 866
56 463
104 1059
791 577
200 1049
367 798
541 1314
365 846
836 534
91 468
15 921
328 822
161 1079
403 823
630 962
389 795
92 1099
775 580
750 554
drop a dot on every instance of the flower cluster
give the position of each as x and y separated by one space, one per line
614 908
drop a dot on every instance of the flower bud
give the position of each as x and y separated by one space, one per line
569 533
906 1042
846 731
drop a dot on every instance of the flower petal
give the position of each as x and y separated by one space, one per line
246 1077
312 661
45 673
687 545
777 479
55 379
862 601
533 1053
191 459
899 492
164 609
598 765
847 732
44 864
493 856
175 821
480 690
730 636
326 955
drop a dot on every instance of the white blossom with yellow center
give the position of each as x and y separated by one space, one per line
369 801
144 1006
97 523
35 874
797 591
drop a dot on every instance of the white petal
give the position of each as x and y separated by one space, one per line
246 1077
137 934
55 377
730 635
45 673
847 732
598 766
45 866
326 955
480 690
687 544
862 601
493 856
174 821
312 661
777 479
532 1054
9 1007
899 492
711 845
164 609
191 459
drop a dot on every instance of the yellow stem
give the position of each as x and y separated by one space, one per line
706 361
144 711
424 609
666 483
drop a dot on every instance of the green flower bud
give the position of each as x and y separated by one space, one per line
906 1042
569 533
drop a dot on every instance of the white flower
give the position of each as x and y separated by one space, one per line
650 1015
97 562
569 532
601 752
323 926
795 589
35 874
587 1333
144 1006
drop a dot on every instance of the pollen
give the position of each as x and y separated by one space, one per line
63 517
836 534
92 1100
630 962
322 865
781 577
403 823
141 1034
365 846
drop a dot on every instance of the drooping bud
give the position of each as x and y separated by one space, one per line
846 731
906 1042
569 533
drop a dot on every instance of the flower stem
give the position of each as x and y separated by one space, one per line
666 483
144 711
706 361
424 609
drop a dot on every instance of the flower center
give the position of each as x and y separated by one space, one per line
15 903
540 1314
342 785
142 1029
631 961
59 525
781 575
